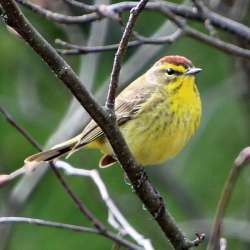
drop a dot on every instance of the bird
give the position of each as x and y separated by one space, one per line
157 115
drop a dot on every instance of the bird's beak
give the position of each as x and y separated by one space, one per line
193 71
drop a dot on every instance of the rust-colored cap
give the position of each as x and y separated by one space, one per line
177 60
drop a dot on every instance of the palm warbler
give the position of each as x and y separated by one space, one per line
157 114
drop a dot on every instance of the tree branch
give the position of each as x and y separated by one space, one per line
22 131
83 6
73 49
144 189
241 161
110 101
60 18
46 223
202 10
51 224
217 43
168 10
238 29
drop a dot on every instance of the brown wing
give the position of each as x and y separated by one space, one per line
127 105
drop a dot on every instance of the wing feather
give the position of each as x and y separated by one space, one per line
128 104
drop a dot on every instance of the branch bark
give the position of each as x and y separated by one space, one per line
169 10
73 49
238 29
75 228
110 102
46 223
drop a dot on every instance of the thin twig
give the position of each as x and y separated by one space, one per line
168 10
81 5
51 224
238 29
202 10
102 229
102 10
46 223
228 48
212 41
215 42
60 18
22 131
234 228
216 232
73 49
110 101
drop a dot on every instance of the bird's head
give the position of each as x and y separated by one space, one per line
170 69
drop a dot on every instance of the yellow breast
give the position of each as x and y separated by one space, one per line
164 125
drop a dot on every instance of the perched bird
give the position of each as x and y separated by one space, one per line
157 115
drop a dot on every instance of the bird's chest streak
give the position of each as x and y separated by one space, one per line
167 121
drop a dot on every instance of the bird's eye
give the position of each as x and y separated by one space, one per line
170 71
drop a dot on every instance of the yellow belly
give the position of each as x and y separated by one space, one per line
159 139
160 131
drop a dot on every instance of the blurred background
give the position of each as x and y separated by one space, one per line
190 184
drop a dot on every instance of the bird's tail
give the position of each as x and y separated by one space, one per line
55 152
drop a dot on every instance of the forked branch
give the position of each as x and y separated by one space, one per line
226 24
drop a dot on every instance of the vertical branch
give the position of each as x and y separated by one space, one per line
242 159
110 102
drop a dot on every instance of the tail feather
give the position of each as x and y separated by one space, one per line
48 155
55 152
